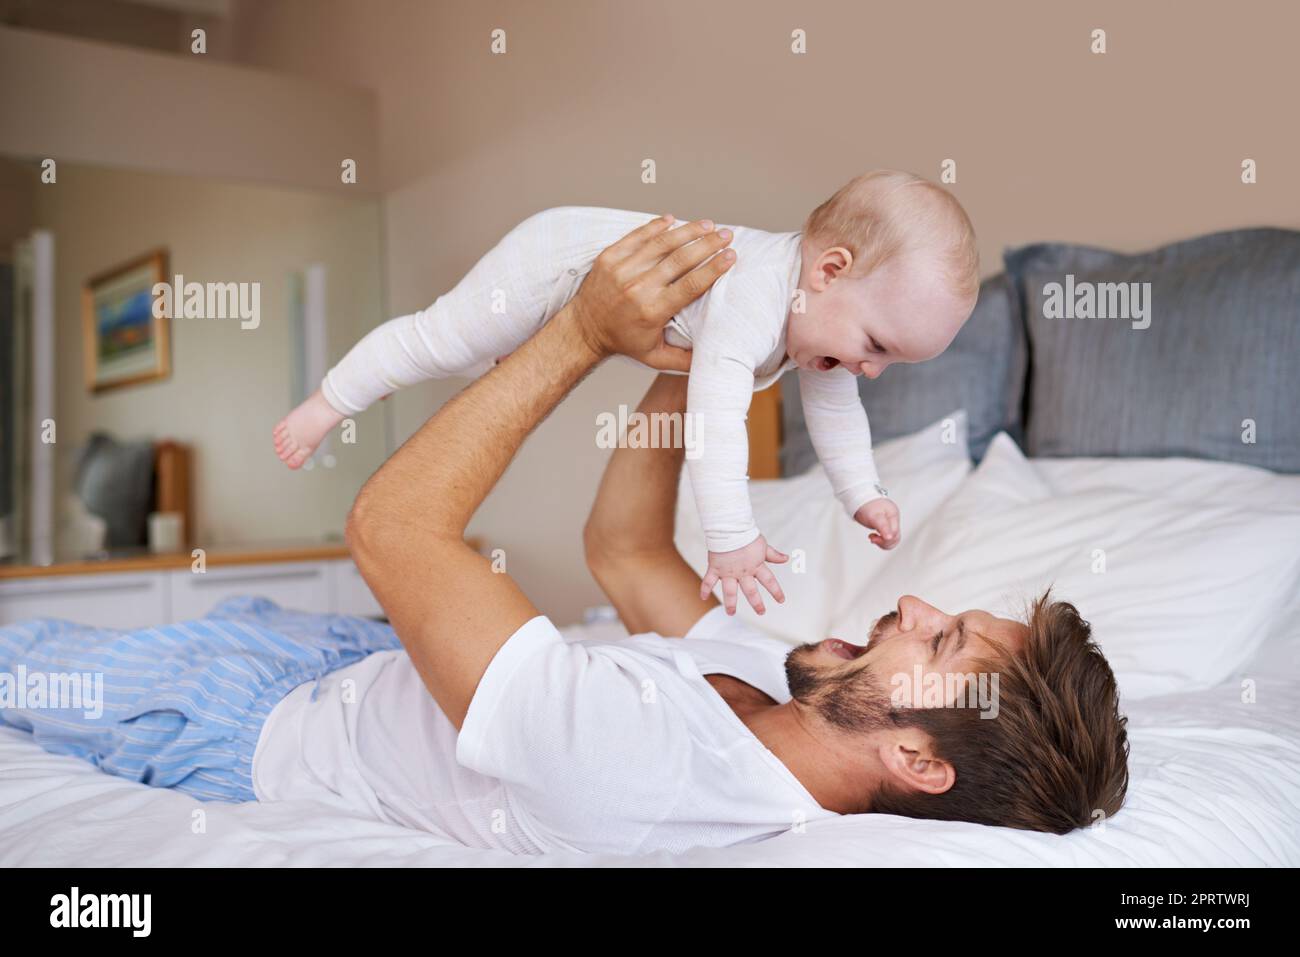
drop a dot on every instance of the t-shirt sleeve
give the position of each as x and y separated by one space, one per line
581 737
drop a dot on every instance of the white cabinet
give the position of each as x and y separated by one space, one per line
121 600
140 599
349 593
302 586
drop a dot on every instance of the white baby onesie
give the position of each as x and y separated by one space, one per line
736 331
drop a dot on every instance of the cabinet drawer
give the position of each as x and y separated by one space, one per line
125 600
299 586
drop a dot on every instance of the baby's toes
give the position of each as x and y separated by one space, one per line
288 452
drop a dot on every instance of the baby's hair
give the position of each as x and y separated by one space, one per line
887 213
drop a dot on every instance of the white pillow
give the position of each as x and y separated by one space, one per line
1181 584
1196 480
1186 480
831 556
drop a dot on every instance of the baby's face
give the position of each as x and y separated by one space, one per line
900 312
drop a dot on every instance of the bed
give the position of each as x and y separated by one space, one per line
1151 481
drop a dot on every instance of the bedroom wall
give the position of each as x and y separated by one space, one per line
237 128
16 202
1129 150
83 101
228 385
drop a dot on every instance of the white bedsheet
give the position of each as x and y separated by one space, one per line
1214 781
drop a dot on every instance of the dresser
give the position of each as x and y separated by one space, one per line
143 590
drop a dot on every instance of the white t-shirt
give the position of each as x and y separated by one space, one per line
613 746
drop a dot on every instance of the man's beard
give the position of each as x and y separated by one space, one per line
852 702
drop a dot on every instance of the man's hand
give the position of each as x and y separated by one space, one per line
744 567
881 516
642 281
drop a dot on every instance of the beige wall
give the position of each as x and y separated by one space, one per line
182 116
164 25
83 101
228 385
1130 149
17 199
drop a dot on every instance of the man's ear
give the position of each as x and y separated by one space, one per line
829 266
911 765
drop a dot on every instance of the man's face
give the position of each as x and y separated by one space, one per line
850 685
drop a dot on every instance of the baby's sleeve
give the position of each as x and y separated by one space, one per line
837 424
741 330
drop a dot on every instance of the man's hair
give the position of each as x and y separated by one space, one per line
887 213
1056 755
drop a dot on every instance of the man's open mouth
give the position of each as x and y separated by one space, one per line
843 649
826 363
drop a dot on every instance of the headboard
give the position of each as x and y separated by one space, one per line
765 433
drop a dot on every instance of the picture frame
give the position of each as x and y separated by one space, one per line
123 342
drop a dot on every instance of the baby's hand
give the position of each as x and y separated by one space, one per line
881 516
744 566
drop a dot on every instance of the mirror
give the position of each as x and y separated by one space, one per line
153 329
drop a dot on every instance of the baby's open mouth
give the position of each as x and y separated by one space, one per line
826 363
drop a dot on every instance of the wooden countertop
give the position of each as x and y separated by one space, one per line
146 561
215 556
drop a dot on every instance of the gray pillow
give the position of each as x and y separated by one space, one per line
982 372
1222 347
115 481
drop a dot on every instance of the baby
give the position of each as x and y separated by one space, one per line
884 271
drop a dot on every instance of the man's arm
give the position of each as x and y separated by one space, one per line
629 534
407 525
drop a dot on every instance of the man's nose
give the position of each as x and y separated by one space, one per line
866 369
915 613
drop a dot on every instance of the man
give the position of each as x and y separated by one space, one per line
657 743
492 730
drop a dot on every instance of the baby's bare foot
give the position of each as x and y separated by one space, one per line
299 432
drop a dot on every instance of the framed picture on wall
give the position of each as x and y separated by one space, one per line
124 342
